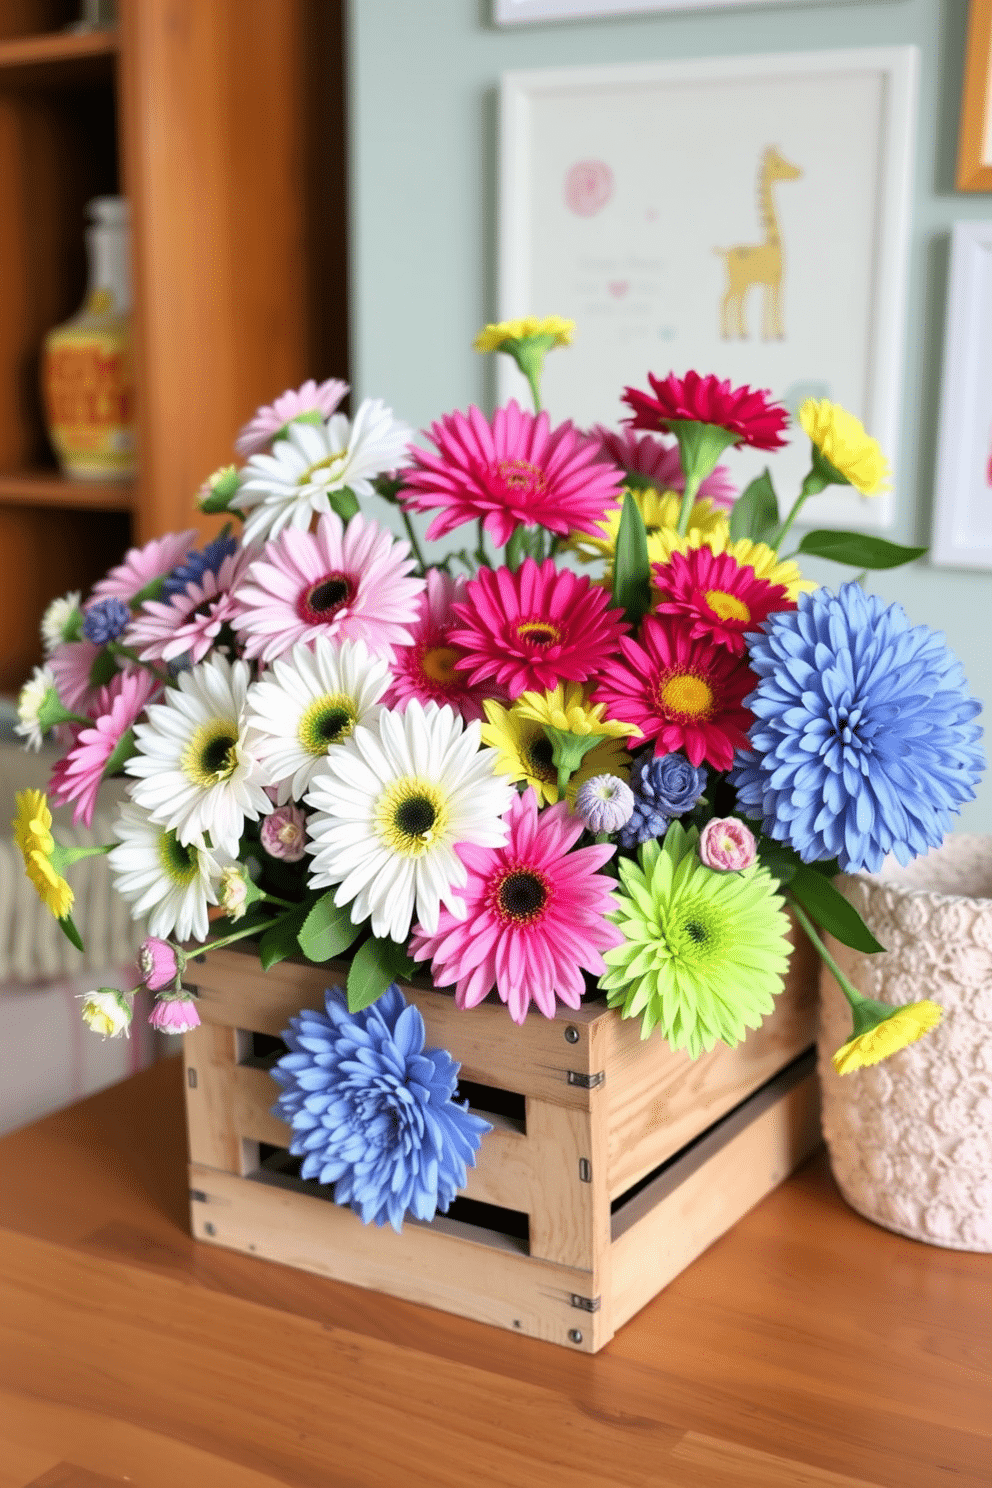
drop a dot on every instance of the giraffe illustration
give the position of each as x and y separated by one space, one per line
749 264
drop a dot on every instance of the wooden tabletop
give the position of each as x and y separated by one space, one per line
806 1349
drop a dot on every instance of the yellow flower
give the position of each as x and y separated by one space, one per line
660 511
492 337
32 833
567 709
842 440
903 1026
764 560
524 753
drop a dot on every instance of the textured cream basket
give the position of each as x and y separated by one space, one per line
910 1140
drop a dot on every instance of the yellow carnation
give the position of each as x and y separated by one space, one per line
904 1026
33 835
841 439
492 337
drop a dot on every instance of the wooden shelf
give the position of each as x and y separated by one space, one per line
48 488
60 56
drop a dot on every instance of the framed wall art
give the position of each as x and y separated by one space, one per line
747 216
975 145
962 536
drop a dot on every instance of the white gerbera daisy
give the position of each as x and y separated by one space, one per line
196 772
62 621
308 702
161 877
390 806
33 696
294 481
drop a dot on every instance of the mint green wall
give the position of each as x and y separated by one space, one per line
424 76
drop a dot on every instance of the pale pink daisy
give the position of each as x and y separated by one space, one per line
118 707
80 669
657 460
536 916
142 566
349 582
512 470
189 623
313 402
427 669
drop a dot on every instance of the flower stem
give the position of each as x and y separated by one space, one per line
812 486
226 940
851 992
692 484
414 544
116 649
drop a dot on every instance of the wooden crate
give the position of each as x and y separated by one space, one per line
613 1161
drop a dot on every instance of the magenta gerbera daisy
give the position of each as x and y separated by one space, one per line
657 461
720 598
682 693
513 470
118 707
426 669
537 627
536 916
745 412
314 400
142 566
344 582
189 623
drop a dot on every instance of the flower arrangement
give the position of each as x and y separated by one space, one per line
601 748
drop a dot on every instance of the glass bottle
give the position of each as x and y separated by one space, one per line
87 365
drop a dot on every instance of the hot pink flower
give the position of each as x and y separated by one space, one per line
142 566
727 845
682 693
158 963
658 461
189 623
706 400
174 1015
283 834
266 422
338 581
514 470
427 669
118 706
535 628
536 916
720 598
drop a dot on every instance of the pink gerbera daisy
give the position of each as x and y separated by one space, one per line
142 566
744 411
658 461
118 706
339 581
80 669
515 469
313 401
721 599
537 627
536 916
189 623
427 668
682 693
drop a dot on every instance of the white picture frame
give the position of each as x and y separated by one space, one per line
962 527
524 12
626 190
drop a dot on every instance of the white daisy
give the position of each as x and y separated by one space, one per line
161 877
308 702
390 806
33 695
62 621
196 772
312 460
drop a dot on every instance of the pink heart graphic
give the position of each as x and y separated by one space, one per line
588 187
618 288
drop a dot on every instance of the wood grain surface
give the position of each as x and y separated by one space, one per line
805 1349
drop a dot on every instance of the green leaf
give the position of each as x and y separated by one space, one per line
344 502
374 966
104 667
516 548
828 907
280 940
327 930
755 512
780 860
123 750
631 566
858 549
68 928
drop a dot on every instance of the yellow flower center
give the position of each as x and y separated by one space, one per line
539 632
211 756
327 721
333 464
686 696
438 663
520 475
181 863
727 606
410 816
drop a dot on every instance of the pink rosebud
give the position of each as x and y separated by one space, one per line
283 833
174 1015
727 845
158 963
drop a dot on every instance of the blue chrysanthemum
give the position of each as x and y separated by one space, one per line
864 742
373 1111
664 787
196 564
105 621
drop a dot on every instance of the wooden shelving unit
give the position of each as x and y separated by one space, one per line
223 123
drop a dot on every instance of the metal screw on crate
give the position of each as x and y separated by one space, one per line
209 1229
575 1335
571 1034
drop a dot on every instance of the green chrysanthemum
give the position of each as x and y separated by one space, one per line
703 952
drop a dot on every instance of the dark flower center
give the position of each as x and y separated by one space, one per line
216 758
522 895
695 931
538 633
321 600
540 758
415 816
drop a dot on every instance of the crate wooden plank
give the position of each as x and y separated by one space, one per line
570 1209
209 1054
